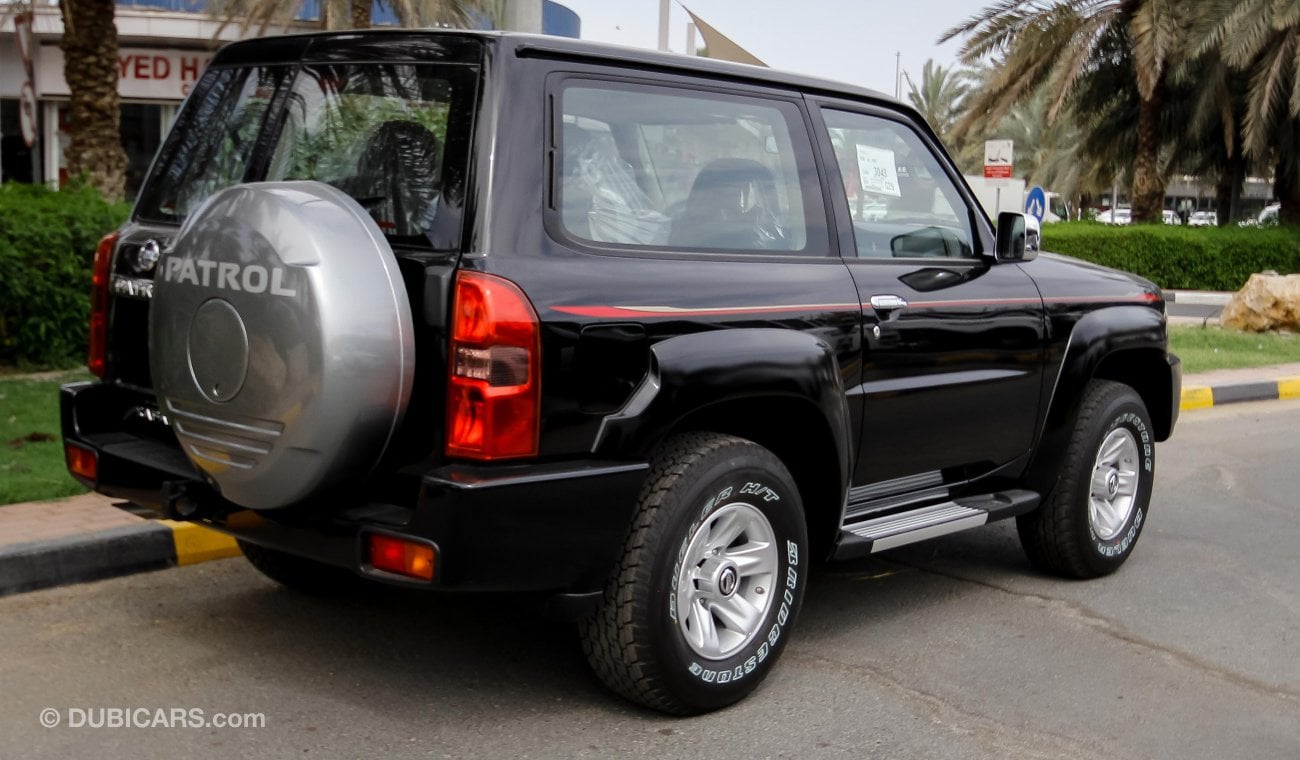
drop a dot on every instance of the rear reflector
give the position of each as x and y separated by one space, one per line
82 462
402 557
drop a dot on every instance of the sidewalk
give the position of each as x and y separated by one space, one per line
84 538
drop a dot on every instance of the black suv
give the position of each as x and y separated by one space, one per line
645 334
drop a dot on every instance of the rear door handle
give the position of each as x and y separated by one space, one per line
887 303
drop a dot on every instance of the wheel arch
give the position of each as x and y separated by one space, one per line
1146 371
781 389
792 430
1127 345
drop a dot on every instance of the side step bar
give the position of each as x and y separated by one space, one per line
910 526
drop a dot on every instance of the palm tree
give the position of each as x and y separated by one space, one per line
1261 39
89 47
940 96
1210 101
1059 44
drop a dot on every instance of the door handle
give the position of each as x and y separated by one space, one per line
887 303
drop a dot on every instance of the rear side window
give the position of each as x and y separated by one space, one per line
649 166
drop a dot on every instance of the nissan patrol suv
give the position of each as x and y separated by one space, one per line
647 335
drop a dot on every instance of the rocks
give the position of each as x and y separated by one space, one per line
1268 301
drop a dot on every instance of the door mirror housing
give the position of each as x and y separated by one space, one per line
1011 244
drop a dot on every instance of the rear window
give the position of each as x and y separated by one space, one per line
384 133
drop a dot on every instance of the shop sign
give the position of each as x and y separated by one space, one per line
143 73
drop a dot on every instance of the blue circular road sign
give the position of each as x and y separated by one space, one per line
1036 203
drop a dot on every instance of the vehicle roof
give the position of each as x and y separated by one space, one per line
524 45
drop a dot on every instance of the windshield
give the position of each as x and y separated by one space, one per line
394 136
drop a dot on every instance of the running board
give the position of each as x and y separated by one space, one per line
902 528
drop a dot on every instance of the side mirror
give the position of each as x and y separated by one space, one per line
1011 245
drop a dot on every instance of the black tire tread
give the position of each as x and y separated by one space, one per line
610 636
1049 535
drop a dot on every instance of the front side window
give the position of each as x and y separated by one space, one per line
651 167
902 203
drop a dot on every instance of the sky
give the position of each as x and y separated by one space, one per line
853 41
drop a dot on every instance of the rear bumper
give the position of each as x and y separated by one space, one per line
552 527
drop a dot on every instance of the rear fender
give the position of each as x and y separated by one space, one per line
691 374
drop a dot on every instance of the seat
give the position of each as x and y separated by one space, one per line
617 209
397 177
575 190
731 205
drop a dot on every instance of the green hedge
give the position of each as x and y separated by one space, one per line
1174 257
47 251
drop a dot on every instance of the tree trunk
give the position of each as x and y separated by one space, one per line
1227 191
89 47
360 10
1286 185
1148 191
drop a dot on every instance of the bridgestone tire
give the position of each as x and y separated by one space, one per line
1065 536
300 574
702 488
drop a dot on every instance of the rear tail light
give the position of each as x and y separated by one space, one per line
98 353
494 391
402 557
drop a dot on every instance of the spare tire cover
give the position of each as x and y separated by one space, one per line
281 341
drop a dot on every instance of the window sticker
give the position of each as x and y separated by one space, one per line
878 171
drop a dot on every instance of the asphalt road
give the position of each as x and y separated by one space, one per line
952 649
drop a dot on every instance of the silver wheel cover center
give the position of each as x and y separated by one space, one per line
1115 479
726 580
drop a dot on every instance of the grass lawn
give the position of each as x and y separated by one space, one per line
31 451
1205 348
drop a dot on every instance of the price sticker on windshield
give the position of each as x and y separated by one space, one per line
878 171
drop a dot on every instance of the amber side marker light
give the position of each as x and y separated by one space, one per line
81 462
401 557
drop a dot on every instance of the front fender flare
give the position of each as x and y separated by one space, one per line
1098 335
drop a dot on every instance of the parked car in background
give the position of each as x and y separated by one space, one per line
1116 216
1268 217
1203 219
